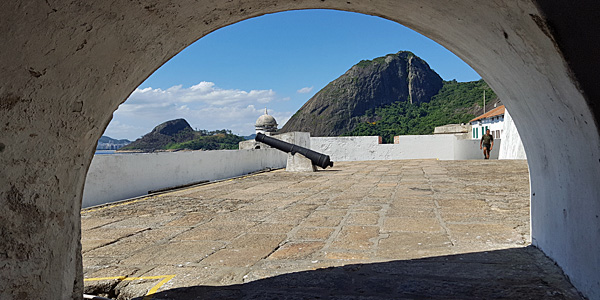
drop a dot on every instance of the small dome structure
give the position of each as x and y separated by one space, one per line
266 124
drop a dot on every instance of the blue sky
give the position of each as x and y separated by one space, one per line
279 61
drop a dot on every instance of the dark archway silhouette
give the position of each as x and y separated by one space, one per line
66 66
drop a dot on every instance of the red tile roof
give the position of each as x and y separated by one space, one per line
492 113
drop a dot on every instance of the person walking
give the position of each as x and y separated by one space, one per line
487 143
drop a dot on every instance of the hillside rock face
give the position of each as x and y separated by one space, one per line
173 131
172 127
337 108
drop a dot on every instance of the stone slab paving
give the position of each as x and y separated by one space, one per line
412 229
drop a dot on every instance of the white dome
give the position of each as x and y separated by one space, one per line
265 124
266 120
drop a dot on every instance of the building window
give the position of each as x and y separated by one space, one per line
497 134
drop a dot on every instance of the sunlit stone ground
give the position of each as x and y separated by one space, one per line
361 230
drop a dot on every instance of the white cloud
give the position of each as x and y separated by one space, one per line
305 90
203 92
204 106
120 130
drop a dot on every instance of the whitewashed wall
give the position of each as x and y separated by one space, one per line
121 176
465 149
512 148
357 148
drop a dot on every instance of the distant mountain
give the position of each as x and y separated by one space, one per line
340 106
179 135
250 137
108 143
397 94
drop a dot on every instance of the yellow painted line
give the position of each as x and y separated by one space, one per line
154 289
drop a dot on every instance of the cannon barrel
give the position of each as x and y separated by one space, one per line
316 158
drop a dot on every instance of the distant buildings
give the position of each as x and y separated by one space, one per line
492 120
107 143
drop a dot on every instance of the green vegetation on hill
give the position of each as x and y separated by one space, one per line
179 135
213 140
455 103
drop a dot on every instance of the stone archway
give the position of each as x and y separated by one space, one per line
66 66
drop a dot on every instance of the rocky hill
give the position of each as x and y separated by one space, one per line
339 107
174 131
179 135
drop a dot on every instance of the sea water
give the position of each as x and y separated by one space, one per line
104 152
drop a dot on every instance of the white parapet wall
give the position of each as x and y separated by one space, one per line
512 148
121 176
443 147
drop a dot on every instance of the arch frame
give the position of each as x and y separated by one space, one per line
67 66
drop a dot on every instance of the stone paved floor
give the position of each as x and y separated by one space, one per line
412 229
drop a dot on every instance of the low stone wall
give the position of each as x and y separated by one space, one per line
121 176
443 147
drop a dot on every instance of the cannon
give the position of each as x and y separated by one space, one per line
316 158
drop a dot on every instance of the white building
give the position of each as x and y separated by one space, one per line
492 120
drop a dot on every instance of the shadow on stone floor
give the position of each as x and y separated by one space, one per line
517 273
328 170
